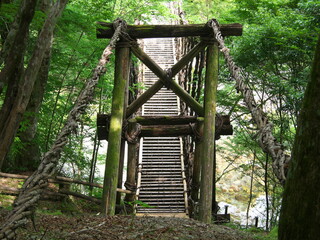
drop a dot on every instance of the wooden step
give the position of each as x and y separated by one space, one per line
161 183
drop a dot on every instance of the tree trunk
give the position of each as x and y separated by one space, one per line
29 157
11 122
251 189
300 213
35 184
14 47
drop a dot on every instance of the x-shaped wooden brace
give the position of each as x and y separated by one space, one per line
165 78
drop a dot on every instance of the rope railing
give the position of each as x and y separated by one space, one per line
31 190
266 140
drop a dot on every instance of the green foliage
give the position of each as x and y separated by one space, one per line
275 50
52 213
8 12
139 203
200 11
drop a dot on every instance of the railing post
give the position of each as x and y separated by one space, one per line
211 79
122 59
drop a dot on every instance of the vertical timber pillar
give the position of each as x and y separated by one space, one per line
206 186
122 59
197 165
123 143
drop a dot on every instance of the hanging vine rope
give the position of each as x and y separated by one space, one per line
31 190
266 139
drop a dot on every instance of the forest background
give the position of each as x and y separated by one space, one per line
276 50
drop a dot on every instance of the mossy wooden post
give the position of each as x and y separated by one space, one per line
197 164
211 79
123 144
133 145
122 58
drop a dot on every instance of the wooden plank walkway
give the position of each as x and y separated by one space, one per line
161 181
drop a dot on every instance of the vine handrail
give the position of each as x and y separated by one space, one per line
266 140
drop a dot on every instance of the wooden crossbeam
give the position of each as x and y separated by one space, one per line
167 80
178 130
165 120
144 97
166 125
161 31
188 57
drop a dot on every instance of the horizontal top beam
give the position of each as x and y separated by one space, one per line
161 31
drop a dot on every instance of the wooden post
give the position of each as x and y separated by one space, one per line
197 164
133 143
211 79
123 142
122 58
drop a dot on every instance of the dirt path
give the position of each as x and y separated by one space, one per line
125 227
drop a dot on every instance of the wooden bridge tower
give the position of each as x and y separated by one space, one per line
120 123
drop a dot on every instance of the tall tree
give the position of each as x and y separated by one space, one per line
29 156
300 213
14 108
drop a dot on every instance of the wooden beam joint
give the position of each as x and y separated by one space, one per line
147 126
106 30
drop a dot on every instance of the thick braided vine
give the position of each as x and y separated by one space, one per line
266 139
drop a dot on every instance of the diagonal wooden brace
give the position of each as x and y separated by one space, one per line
188 57
165 79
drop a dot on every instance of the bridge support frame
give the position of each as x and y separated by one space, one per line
207 155
120 110
121 78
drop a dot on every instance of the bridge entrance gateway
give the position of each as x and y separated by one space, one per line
158 178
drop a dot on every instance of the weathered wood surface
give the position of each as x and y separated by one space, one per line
188 57
49 195
59 179
144 97
165 130
121 77
150 125
133 147
135 105
165 120
196 169
167 80
177 130
207 154
103 119
158 31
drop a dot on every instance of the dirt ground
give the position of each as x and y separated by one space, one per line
78 220
85 227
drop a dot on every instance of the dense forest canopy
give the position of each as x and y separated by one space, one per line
276 50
